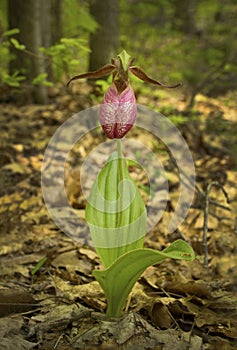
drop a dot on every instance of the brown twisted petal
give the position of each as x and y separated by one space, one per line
139 73
101 72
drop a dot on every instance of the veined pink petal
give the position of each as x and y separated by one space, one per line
118 112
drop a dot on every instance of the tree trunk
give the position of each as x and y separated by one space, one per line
104 42
184 17
56 20
27 17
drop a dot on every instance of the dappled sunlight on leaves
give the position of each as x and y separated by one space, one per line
174 303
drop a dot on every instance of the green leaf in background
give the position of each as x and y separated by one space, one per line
11 32
41 79
115 212
17 45
118 280
13 80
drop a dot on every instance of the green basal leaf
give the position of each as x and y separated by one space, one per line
125 59
115 211
118 280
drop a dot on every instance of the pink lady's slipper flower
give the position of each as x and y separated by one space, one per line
118 111
118 108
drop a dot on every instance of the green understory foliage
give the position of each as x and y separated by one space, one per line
195 44
65 57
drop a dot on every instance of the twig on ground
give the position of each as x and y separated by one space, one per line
205 219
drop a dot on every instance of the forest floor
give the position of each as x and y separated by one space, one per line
174 305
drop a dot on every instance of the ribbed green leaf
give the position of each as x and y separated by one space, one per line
118 280
115 211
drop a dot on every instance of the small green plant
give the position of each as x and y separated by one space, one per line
15 79
38 266
66 55
115 212
41 79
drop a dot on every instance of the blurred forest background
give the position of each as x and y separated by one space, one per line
46 42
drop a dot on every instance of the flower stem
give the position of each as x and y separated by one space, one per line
119 146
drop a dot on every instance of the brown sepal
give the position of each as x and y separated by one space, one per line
139 73
101 72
